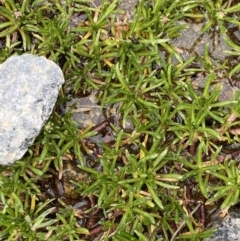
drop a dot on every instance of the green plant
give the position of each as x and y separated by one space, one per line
167 160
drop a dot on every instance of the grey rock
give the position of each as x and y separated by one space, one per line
191 42
228 228
29 87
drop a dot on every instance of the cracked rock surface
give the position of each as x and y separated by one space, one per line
29 87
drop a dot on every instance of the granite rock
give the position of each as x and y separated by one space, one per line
227 228
29 87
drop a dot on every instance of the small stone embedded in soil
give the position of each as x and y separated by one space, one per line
29 87
71 172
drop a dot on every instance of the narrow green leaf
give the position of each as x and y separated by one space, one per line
154 196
